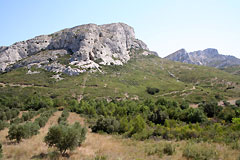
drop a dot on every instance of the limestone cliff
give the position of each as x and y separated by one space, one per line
85 47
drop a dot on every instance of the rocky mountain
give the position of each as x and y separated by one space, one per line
75 50
208 57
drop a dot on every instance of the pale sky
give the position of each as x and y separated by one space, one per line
164 25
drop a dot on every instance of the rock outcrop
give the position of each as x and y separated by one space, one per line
208 57
83 47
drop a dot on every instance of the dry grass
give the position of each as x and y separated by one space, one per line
112 147
28 147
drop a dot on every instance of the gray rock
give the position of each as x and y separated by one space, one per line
108 44
208 57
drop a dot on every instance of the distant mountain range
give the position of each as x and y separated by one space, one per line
208 57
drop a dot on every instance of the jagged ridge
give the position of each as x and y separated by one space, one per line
208 57
86 47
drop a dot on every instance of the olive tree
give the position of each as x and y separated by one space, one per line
65 137
16 132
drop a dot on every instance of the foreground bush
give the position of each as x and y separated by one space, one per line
3 124
1 151
65 137
161 149
108 125
16 132
199 152
63 118
169 149
22 131
19 132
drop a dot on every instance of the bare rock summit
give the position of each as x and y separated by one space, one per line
75 50
208 57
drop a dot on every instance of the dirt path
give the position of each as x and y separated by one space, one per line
231 101
28 148
220 103
80 97
19 85
175 92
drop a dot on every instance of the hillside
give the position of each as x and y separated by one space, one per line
174 80
232 69
208 57
107 61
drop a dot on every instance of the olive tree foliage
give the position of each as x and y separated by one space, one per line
16 132
23 131
65 137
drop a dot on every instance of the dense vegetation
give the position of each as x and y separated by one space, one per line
163 119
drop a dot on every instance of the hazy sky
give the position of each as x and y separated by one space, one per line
164 25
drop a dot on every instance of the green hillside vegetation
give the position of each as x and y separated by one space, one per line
172 80
161 119
232 69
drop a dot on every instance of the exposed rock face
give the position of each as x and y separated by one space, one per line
87 46
208 57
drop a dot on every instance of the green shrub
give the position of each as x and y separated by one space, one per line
138 124
211 109
237 103
156 149
199 152
98 157
3 116
26 116
108 125
16 121
37 102
3 124
41 121
169 149
16 132
63 118
144 134
235 145
65 137
1 151
193 115
30 129
227 114
152 91
159 117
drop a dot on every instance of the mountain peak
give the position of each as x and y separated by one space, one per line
211 51
85 46
182 50
208 57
